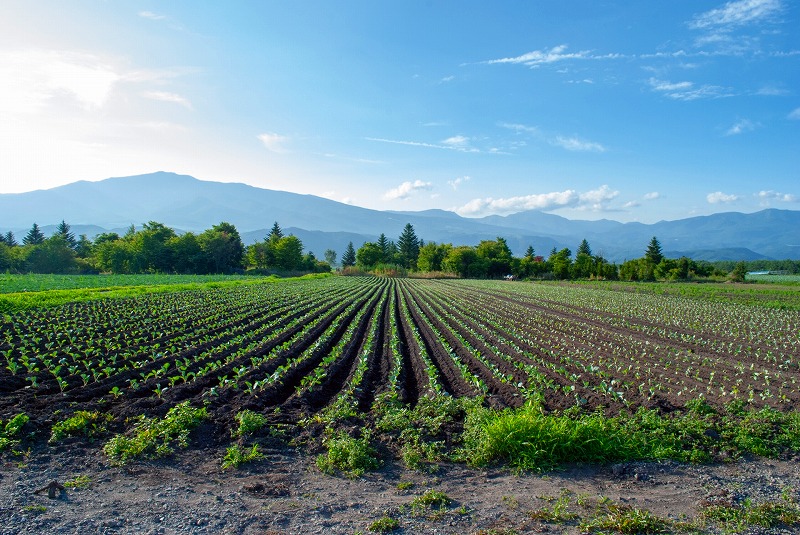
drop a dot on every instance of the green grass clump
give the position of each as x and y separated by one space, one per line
78 482
155 438
236 456
87 423
9 431
385 524
431 498
352 456
249 422
625 519
528 439
739 517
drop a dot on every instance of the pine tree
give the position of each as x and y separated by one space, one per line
584 248
408 246
10 240
653 253
349 256
276 233
385 246
34 236
530 252
64 231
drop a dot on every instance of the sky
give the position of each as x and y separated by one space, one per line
631 111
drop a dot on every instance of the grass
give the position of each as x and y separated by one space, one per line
739 517
249 422
50 295
153 438
78 482
236 456
385 524
86 423
9 431
349 455
528 439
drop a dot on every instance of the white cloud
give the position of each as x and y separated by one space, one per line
538 57
631 204
719 197
594 199
687 90
456 182
577 144
651 196
152 16
740 127
273 142
737 13
794 114
406 189
34 78
520 128
447 79
165 96
456 142
766 197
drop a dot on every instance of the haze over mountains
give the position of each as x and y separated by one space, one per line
188 204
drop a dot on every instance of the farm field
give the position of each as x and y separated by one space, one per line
406 371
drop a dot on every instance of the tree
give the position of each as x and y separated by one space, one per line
276 233
465 262
330 257
289 253
431 256
653 253
8 239
386 247
64 231
584 248
739 272
34 236
349 256
530 253
561 263
369 255
83 247
496 256
53 255
408 247
222 247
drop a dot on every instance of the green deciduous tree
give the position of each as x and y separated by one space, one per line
431 256
369 255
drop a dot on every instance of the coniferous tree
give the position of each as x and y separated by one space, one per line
653 253
34 236
386 247
276 233
530 253
584 248
11 241
64 231
349 256
408 246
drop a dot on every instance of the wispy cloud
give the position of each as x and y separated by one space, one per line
794 115
653 195
152 16
165 96
738 13
769 196
456 182
687 90
740 127
578 145
406 189
447 79
457 143
557 54
718 197
594 199
520 127
273 142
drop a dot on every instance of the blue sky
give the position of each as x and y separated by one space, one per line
633 111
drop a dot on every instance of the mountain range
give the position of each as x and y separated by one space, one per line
188 204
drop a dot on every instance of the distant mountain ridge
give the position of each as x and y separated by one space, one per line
188 204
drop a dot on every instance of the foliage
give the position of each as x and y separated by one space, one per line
86 423
349 256
153 438
236 456
352 456
9 431
385 524
249 422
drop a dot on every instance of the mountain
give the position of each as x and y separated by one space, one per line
188 204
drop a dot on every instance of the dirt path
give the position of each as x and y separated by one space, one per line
285 493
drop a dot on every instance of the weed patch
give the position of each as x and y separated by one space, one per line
352 456
86 423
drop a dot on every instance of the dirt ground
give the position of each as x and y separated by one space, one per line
286 493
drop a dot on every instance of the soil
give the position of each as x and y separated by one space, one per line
286 493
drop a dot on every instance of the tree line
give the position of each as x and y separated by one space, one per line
156 248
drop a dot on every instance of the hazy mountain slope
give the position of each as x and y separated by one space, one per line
188 204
